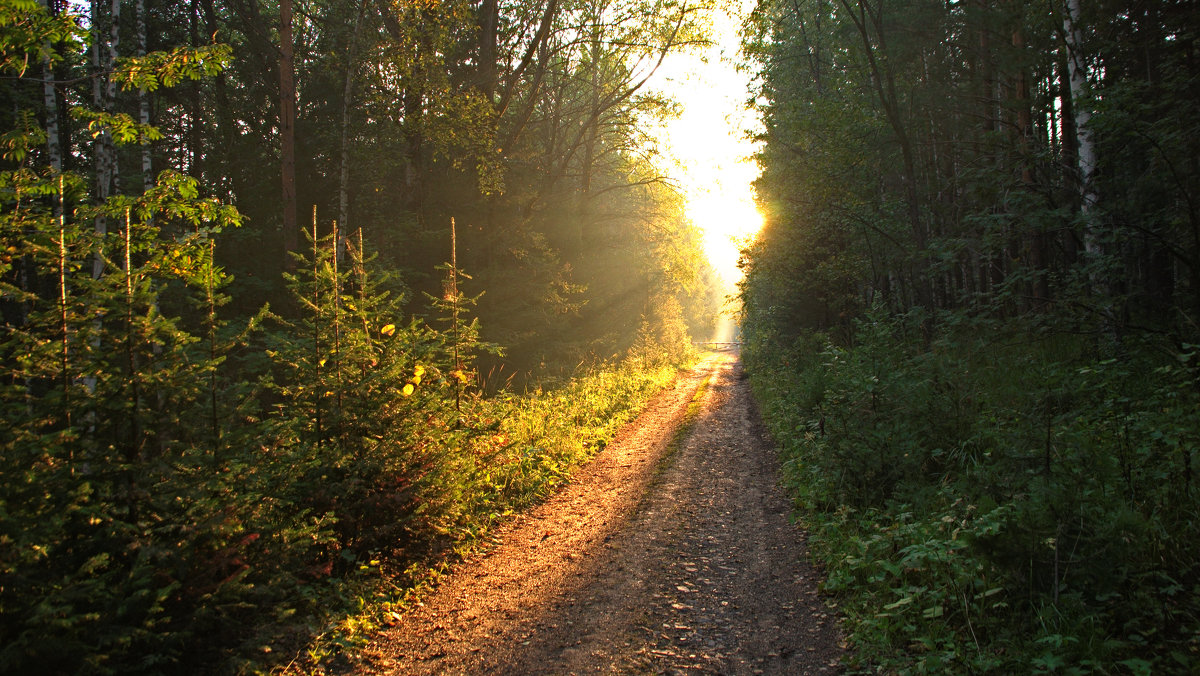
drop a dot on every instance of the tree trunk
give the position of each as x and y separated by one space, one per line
344 142
885 88
1040 290
1089 196
287 131
489 19
104 56
50 101
1084 146
143 100
987 69
196 129
589 146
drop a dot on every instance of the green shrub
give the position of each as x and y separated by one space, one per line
989 502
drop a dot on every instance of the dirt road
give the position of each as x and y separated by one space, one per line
668 553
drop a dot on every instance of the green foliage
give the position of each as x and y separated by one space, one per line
663 336
18 143
168 69
122 127
27 32
369 405
208 503
994 504
192 482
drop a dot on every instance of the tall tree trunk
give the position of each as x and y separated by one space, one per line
50 101
1085 149
489 20
343 218
987 67
103 57
104 90
1040 291
1089 195
885 88
1067 141
226 136
583 212
986 268
196 127
287 130
412 104
143 100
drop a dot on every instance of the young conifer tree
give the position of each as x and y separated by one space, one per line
103 513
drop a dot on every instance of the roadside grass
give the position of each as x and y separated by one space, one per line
518 449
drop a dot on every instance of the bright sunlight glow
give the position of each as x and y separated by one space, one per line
708 143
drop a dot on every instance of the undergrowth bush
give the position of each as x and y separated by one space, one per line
995 499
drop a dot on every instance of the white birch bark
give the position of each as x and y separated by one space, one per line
110 90
1093 245
143 100
50 101
104 89
1077 74
103 57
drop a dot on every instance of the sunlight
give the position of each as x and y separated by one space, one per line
707 145
729 219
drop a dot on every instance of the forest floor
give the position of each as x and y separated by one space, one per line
670 552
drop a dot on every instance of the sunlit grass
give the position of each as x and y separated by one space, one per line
540 438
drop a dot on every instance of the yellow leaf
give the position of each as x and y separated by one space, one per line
388 330
408 390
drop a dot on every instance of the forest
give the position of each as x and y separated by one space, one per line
299 298
972 324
